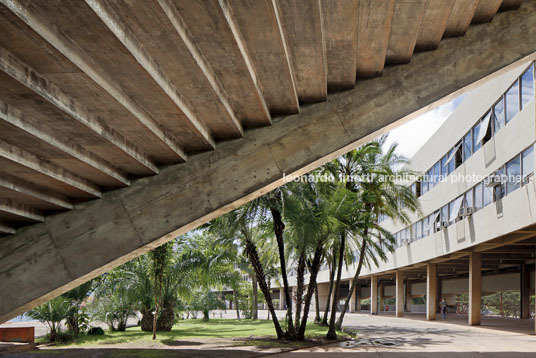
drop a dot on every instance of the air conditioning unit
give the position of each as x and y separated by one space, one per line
444 224
466 212
493 181
406 241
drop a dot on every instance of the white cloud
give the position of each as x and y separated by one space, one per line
412 135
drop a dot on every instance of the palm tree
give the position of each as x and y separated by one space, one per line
377 192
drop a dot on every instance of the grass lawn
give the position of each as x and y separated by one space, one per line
197 329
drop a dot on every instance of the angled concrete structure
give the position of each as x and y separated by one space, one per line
110 146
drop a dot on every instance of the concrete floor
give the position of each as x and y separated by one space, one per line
413 336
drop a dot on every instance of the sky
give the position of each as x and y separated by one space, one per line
412 135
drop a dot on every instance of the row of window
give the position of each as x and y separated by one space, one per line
520 93
502 182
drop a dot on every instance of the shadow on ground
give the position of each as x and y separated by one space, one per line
134 353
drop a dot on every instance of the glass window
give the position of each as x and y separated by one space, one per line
467 146
498 115
488 195
500 190
478 197
431 182
444 167
451 164
527 86
451 204
528 163
468 202
418 229
414 189
437 172
512 102
476 145
445 213
424 184
513 170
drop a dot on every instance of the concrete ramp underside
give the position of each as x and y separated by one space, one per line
125 124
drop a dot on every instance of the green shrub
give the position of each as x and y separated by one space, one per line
95 331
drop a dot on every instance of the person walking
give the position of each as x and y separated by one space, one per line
443 308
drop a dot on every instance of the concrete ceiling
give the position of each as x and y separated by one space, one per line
126 123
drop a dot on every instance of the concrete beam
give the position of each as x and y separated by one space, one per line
486 10
46 29
50 92
6 229
128 39
20 212
460 17
23 187
475 288
130 221
374 27
405 25
433 24
431 292
303 28
399 293
269 52
16 118
39 165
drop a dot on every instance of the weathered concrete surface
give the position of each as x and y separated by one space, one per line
44 260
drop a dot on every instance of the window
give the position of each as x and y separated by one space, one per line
418 229
528 163
527 86
431 182
452 217
478 196
454 209
500 190
424 185
468 203
498 115
414 189
444 167
445 214
476 130
512 102
418 188
437 172
467 146
488 195
513 170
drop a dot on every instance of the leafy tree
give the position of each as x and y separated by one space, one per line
160 260
51 313
77 319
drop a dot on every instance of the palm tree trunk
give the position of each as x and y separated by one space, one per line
332 334
300 273
255 304
317 304
279 227
330 289
235 298
317 258
261 278
354 280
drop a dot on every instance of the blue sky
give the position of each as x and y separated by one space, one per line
412 135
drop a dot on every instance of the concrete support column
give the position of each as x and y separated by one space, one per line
358 297
353 298
408 296
431 291
281 298
475 288
381 292
525 291
374 294
399 293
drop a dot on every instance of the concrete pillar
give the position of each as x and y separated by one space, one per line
475 287
374 294
431 291
399 293
358 297
353 298
381 292
525 291
408 296
281 298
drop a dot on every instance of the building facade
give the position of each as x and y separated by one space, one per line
477 231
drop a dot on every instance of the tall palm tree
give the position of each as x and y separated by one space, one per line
377 192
